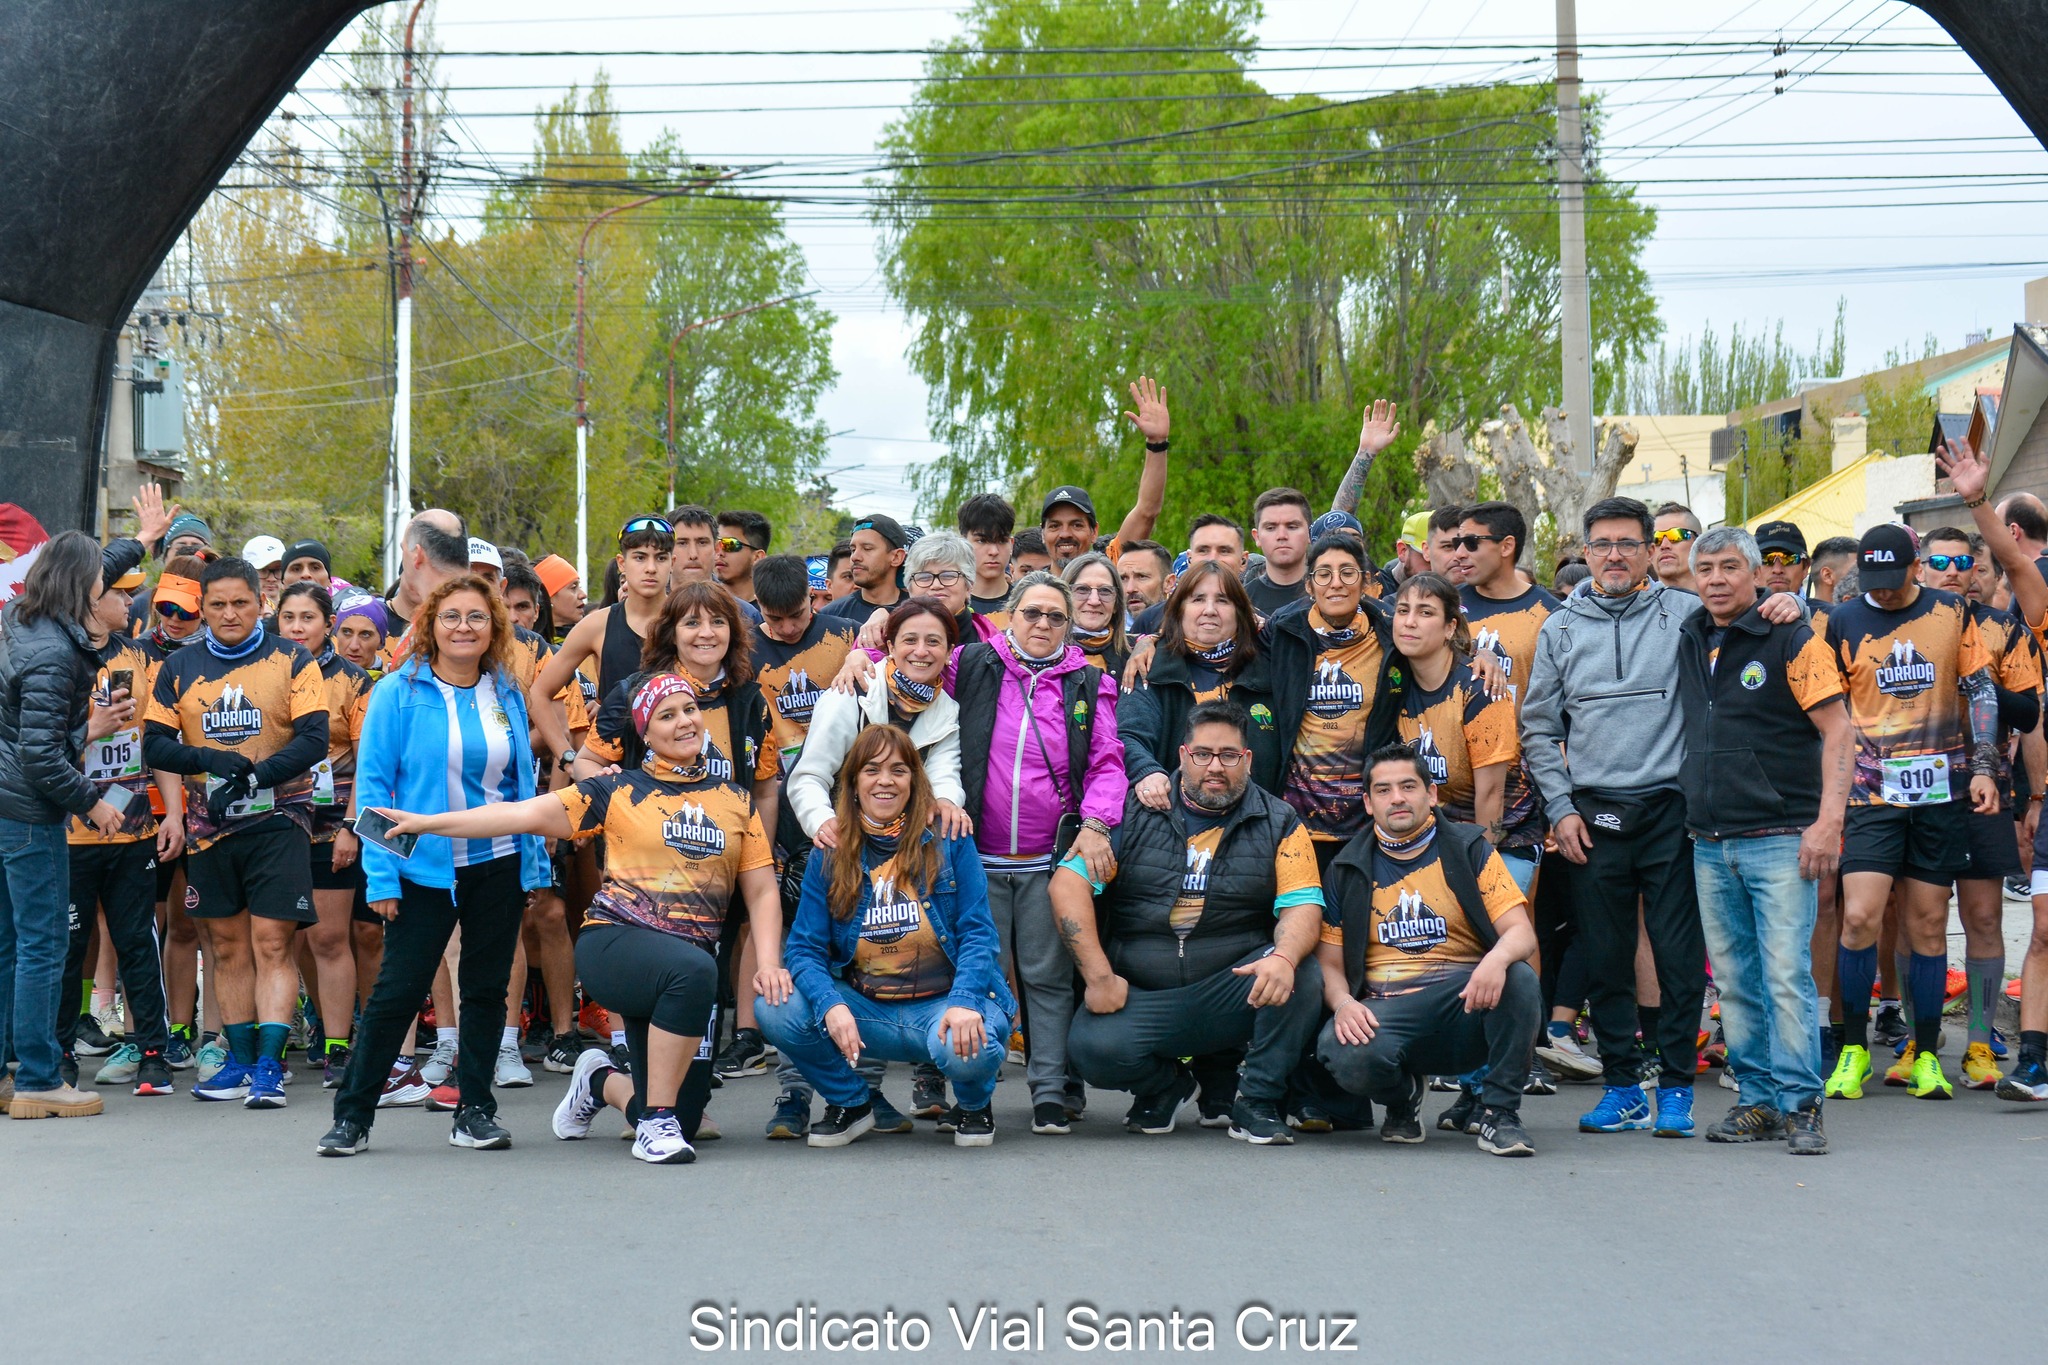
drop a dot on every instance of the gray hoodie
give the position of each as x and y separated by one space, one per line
1605 685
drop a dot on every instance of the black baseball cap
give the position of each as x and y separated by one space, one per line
1067 493
1780 535
888 528
1884 557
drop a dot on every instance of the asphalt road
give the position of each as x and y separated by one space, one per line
207 1231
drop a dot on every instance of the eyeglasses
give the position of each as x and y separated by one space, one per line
944 578
1942 563
1056 619
1339 573
1207 758
475 620
638 524
1470 543
1610 547
1778 559
1675 535
732 545
175 613
1092 592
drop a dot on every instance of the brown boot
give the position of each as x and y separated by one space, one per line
65 1102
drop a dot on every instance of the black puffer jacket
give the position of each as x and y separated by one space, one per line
46 675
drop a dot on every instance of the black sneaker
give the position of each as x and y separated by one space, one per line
563 1050
1259 1123
973 1127
746 1055
1463 1114
477 1128
67 1069
345 1138
1830 1048
842 1124
1500 1133
1803 1134
1214 1115
534 1045
1306 1118
792 1116
1048 1119
153 1074
622 1060
2026 1083
1156 1114
1888 1026
1540 1081
90 1040
1402 1122
927 1092
888 1118
1749 1123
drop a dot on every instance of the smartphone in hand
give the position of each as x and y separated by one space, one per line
374 827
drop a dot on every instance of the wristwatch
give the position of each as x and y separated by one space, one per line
567 760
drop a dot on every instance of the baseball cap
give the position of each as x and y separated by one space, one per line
1780 535
186 524
1331 522
1884 557
481 551
130 580
178 591
1073 497
309 549
1415 531
816 569
555 573
264 551
888 528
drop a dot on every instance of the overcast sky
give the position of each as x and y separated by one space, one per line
1762 216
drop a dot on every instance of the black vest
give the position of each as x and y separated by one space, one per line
1461 851
1752 756
978 680
1151 859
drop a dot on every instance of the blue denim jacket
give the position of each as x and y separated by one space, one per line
820 947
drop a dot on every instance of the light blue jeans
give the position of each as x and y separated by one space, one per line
892 1031
1757 913
35 930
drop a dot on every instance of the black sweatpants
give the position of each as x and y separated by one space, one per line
1428 1033
121 880
488 904
1651 865
650 978
1557 936
1140 1046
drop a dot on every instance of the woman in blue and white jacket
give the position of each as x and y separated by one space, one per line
446 730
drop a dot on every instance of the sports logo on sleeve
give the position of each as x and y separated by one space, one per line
692 833
231 720
1413 928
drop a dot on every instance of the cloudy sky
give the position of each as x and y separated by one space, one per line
1881 167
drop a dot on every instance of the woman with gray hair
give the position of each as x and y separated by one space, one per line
939 565
1098 611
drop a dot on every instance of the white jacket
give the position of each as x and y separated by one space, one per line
835 723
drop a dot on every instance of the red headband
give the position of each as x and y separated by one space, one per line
654 692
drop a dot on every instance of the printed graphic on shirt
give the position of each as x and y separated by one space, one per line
116 761
246 705
347 689
1419 933
1903 669
674 851
1457 728
1294 870
607 739
898 956
2015 666
793 677
1507 629
1326 777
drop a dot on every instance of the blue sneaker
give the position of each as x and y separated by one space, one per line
231 1082
1622 1109
1998 1045
266 1086
178 1053
1674 1111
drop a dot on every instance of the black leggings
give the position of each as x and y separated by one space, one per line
121 880
650 978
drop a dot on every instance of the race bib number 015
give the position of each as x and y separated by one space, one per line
1921 781
117 756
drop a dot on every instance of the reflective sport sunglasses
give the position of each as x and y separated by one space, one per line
1778 559
1943 563
176 613
1676 535
646 524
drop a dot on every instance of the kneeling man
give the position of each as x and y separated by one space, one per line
1425 950
1210 918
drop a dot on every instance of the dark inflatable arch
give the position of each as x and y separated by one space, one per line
117 118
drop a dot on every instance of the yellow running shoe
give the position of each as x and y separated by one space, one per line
1928 1082
1851 1071
1980 1068
1901 1071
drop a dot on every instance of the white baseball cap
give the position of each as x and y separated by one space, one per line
264 551
483 552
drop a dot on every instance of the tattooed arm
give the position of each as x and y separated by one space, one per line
1073 913
1376 434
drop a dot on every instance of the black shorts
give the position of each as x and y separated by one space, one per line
267 872
166 873
1994 847
326 877
1924 843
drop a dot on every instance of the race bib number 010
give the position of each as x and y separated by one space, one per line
1921 781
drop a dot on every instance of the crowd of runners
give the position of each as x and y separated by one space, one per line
1273 830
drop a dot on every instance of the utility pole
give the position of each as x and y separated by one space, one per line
398 500
1576 309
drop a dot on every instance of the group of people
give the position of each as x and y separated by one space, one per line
1274 842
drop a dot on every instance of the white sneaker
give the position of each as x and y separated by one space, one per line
580 1104
440 1065
1727 1081
511 1073
660 1141
1562 1054
120 1066
212 1057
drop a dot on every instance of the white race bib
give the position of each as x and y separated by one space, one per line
1919 781
323 783
118 755
262 801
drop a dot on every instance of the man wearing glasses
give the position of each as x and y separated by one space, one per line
1675 532
743 540
1212 910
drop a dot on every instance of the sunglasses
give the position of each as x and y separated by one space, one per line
732 545
176 613
1056 619
1778 559
638 524
1942 563
1676 535
1469 543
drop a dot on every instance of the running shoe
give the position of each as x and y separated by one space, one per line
153 1075
1403 1123
1851 1073
67 1069
748 1054
120 1066
1213 1113
1900 1072
658 1140
266 1085
533 1046
1157 1114
345 1138
1259 1123
1462 1116
1501 1133
334 1068
1998 1044
230 1082
1562 1054
404 1087
1074 1099
478 1128
1306 1118
974 1127
1728 1081
1015 1052
2019 889
178 1052
792 1117
927 1092
1622 1109
91 1040
511 1073
1928 1081
1049 1119
1540 1081
581 1102
444 1099
1443 1085
843 1123
1749 1123
301 1033
1804 1135
1888 1026
1954 986
2027 1083
707 1129
212 1056
888 1118
440 1064
1674 1112
564 1051
1713 1048
1980 1068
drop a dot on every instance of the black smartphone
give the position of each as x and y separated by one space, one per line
374 826
120 680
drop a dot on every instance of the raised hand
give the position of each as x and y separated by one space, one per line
1151 418
1379 428
152 518
1967 471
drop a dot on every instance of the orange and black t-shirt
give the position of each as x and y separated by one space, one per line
249 706
1458 729
116 761
2015 666
1326 778
607 739
1506 628
1420 934
673 849
898 955
793 677
1903 669
347 689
